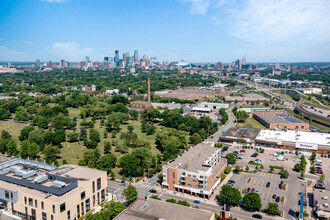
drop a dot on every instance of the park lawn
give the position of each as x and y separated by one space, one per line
250 123
12 127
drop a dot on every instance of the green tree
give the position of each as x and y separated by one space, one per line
24 134
116 119
272 209
24 149
94 135
129 165
106 163
322 177
247 168
302 174
285 174
231 158
130 194
90 158
130 128
109 211
50 152
12 148
229 195
313 156
195 139
43 123
107 147
105 134
33 150
5 135
83 134
297 167
313 170
128 138
252 201
73 137
90 144
143 155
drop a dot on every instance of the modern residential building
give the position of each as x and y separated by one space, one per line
152 209
38 63
280 120
196 172
35 190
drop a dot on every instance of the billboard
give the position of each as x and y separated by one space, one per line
306 146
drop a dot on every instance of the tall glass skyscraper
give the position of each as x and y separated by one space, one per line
136 55
117 57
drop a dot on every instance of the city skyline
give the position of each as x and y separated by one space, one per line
195 30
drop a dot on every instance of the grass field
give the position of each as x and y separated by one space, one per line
72 152
250 123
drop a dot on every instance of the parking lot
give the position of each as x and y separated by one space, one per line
260 179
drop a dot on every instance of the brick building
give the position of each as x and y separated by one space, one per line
196 172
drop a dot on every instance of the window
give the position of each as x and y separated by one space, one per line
82 208
194 181
62 207
98 183
7 194
36 203
93 200
33 212
194 185
189 184
83 195
98 198
42 205
93 186
44 216
30 202
189 175
102 195
11 196
87 205
78 211
194 176
53 208
69 215
25 200
51 217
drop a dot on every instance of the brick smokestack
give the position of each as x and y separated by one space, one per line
149 100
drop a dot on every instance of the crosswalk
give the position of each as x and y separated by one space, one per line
146 185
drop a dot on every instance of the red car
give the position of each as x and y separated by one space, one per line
253 190
242 151
319 171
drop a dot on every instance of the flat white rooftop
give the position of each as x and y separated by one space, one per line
295 136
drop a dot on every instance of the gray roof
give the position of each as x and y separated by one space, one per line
277 118
152 209
192 160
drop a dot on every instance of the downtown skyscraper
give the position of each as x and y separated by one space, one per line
136 55
117 58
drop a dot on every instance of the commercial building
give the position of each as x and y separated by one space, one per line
201 110
153 209
34 190
246 98
294 140
303 141
196 172
251 111
213 105
321 202
280 120
239 136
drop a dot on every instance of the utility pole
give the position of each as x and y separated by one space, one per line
148 168
156 164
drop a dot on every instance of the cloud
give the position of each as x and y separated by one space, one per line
55 1
29 43
70 51
272 21
198 6
7 54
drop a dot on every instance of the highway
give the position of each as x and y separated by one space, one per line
308 113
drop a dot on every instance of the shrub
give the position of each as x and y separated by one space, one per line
276 167
249 180
171 200
155 197
183 202
227 170
223 176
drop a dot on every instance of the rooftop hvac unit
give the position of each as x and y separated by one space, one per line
28 174
40 179
19 172
4 171
58 184
14 168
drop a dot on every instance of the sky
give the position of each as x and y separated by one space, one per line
170 30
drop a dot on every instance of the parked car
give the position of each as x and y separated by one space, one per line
257 190
153 191
319 171
296 160
197 201
253 190
303 180
277 199
227 208
248 190
225 148
229 184
242 151
231 181
272 159
258 216
274 196
268 185
254 155
318 161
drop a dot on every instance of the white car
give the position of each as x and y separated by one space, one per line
296 160
272 159
318 161
303 181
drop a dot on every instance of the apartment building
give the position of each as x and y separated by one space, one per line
35 190
196 172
